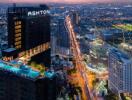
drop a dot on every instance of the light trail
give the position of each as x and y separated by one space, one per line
77 56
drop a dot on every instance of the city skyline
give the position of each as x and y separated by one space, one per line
64 1
66 50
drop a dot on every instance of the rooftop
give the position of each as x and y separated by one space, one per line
49 74
10 50
121 55
111 31
22 70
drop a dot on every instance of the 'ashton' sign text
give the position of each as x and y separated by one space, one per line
35 13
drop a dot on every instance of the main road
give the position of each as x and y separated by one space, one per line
78 57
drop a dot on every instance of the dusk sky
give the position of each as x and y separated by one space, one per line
35 1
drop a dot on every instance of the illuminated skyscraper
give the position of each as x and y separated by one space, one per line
29 31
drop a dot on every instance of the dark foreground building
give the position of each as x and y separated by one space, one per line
24 83
28 38
29 31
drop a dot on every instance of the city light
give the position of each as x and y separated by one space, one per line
73 50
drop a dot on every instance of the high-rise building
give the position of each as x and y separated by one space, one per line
28 37
62 38
24 83
29 31
75 17
120 72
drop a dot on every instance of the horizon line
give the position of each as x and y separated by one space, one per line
72 2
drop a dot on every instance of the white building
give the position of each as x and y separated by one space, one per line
120 72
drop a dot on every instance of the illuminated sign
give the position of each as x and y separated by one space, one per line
35 13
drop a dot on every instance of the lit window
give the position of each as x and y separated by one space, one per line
18 27
18 31
18 47
17 43
17 39
18 23
17 35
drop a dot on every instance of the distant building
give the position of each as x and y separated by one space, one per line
75 18
62 38
115 35
120 72
29 30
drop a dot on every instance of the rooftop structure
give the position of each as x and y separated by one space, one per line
22 70
127 47
120 55
23 82
10 50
